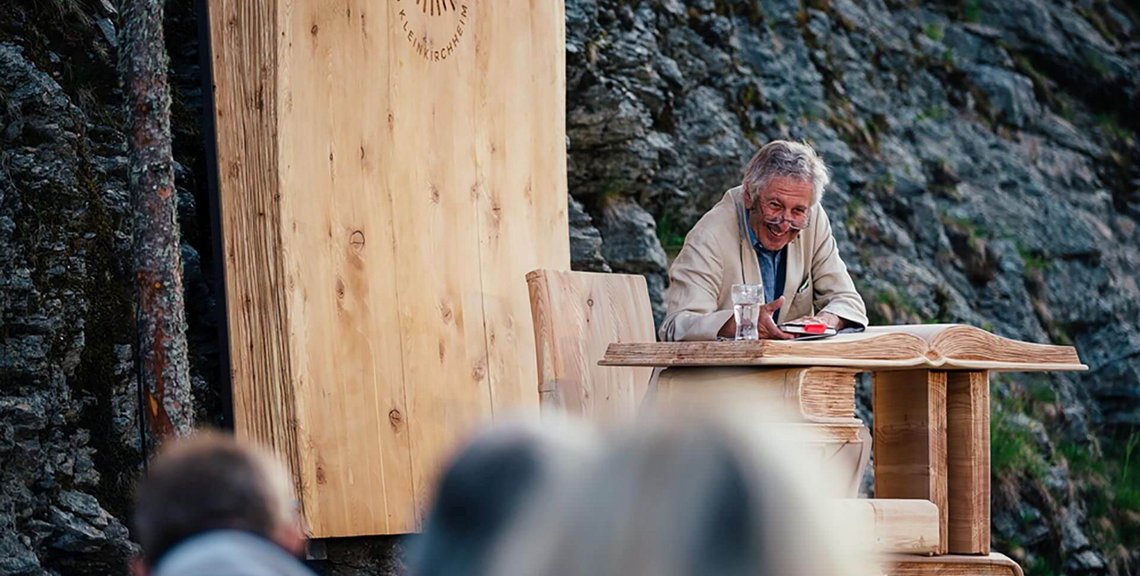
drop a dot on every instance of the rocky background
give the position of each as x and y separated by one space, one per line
986 165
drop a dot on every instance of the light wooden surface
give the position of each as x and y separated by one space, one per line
897 526
576 314
910 439
244 61
815 394
968 461
381 207
944 346
992 564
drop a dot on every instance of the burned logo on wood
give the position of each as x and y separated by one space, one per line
433 28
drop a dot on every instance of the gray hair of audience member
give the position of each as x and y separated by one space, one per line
210 482
676 497
486 487
788 159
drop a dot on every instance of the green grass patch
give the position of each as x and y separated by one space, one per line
670 233
1032 259
1042 393
934 31
899 302
936 112
1012 448
854 209
971 10
884 181
1110 124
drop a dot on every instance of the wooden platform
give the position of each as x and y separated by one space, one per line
388 175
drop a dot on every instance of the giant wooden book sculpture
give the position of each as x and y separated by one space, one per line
933 346
931 418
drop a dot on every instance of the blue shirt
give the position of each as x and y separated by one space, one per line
773 268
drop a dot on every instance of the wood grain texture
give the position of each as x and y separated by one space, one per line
992 564
391 196
244 63
968 461
897 525
910 439
788 394
827 393
945 346
520 178
575 315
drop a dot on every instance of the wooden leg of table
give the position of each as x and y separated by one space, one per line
910 439
968 461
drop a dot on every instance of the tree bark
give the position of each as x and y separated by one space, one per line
163 372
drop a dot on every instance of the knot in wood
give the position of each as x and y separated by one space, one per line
395 417
356 240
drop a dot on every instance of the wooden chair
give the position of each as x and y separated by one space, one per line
576 316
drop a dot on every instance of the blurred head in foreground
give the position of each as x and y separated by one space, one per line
685 494
487 486
209 505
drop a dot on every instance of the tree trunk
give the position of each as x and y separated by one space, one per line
163 372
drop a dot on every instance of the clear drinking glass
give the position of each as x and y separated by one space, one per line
746 302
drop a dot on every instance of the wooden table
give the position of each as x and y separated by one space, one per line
931 403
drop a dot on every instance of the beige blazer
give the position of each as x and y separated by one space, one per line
718 254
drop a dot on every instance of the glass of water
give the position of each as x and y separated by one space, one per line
746 302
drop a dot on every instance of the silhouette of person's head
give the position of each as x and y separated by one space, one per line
210 482
683 495
495 478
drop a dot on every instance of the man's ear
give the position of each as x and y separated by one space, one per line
291 537
138 566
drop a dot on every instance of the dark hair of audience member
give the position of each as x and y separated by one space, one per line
209 482
484 490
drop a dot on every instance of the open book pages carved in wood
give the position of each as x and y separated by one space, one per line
939 346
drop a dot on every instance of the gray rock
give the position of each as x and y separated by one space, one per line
585 241
1009 94
630 245
48 514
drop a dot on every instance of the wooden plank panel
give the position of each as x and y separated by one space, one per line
993 564
910 439
357 466
575 315
244 67
520 178
389 176
431 111
968 461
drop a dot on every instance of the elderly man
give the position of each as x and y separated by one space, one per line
771 229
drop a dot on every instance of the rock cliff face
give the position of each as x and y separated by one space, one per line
986 170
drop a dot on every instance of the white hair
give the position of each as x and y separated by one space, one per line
789 159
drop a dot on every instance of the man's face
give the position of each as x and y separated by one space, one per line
787 198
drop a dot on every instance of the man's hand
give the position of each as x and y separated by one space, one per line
831 320
766 327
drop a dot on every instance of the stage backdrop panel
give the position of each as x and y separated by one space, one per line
389 171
